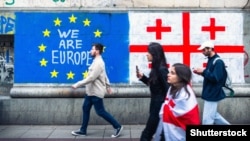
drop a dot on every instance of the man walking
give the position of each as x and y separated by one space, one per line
97 84
214 78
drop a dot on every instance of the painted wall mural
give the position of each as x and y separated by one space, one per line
54 47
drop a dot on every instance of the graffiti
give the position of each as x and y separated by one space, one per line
6 24
10 3
6 71
59 0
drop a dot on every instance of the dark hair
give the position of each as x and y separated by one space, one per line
159 60
99 47
184 75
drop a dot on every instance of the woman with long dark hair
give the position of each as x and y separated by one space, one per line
157 82
180 107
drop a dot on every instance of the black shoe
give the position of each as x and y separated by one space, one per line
117 132
78 133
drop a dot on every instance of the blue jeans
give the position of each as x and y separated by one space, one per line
100 110
211 116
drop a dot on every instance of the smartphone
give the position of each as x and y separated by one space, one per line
137 69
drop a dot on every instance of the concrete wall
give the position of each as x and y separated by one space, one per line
130 105
67 111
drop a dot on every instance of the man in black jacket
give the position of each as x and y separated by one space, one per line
214 78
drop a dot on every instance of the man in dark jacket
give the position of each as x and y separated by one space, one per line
214 78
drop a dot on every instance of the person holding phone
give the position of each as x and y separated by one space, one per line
157 82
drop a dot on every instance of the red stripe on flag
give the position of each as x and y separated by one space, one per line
186 38
192 48
138 48
229 49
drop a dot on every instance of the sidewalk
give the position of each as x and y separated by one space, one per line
63 133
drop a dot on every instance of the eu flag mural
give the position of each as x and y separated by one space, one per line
54 47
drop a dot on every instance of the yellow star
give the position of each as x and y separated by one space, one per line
72 19
42 48
70 75
54 73
85 74
86 22
43 62
46 33
57 22
97 33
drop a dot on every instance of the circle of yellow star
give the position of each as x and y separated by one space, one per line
72 19
97 33
54 73
86 22
42 48
43 62
46 33
85 74
57 22
70 75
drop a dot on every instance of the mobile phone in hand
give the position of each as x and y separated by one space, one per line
137 69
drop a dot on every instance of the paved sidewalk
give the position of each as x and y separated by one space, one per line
63 133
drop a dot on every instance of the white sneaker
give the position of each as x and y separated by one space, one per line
117 132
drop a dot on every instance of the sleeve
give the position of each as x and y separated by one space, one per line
164 73
107 83
94 71
144 79
216 74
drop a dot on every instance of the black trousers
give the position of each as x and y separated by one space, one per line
153 120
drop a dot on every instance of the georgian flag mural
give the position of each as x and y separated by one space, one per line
181 34
54 47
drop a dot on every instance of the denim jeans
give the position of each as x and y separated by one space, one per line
100 110
211 116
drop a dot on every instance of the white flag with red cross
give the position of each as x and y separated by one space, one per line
181 34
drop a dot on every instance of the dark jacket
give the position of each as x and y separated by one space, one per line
160 87
214 78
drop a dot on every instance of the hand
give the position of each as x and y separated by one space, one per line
109 90
198 71
73 87
139 75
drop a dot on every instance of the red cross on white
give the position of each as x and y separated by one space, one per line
181 34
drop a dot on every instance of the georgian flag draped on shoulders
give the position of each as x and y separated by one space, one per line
176 114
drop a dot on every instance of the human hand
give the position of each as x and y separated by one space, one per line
198 71
138 73
73 87
109 90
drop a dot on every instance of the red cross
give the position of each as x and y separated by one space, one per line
212 28
186 48
158 29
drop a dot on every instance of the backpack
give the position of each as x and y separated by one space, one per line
227 88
